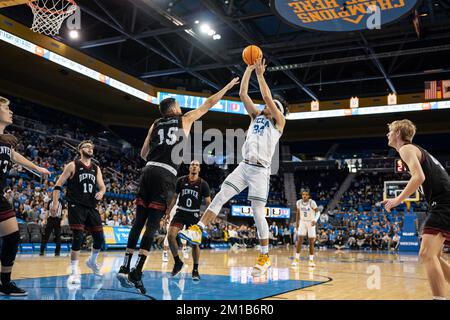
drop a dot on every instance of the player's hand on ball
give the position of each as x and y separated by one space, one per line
260 65
232 83
251 67
99 195
392 203
9 139
43 171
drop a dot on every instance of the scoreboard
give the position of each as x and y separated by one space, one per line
270 212
399 166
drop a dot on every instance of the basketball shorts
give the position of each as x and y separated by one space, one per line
254 177
185 219
6 211
438 221
306 228
84 218
156 187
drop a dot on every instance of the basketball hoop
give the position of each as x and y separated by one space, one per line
50 14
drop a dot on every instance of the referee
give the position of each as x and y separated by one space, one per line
53 225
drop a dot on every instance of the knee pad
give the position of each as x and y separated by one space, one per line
225 194
10 246
77 240
98 239
260 219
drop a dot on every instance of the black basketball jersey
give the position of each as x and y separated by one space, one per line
436 186
5 163
167 133
190 195
81 188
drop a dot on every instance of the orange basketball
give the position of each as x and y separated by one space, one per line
250 54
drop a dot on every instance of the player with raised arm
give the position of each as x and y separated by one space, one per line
427 172
266 128
158 178
9 229
307 215
83 178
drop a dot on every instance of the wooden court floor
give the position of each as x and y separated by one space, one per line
347 275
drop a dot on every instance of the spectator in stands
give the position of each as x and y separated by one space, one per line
114 222
233 237
376 240
331 238
395 242
286 235
323 239
274 230
360 238
351 242
385 241
340 241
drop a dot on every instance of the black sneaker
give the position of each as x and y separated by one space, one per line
41 253
195 276
12 290
122 276
57 254
135 277
177 268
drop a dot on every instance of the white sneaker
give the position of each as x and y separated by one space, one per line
74 278
165 256
95 267
311 263
185 253
295 263
262 264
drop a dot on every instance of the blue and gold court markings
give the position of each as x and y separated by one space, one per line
239 285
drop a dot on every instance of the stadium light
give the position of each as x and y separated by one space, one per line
73 34
205 28
217 37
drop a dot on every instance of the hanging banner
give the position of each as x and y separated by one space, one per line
342 15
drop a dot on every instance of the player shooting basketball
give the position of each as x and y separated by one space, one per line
265 130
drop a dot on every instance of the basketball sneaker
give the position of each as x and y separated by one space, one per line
165 256
195 275
295 263
11 289
135 277
95 267
74 278
177 268
122 276
262 264
193 234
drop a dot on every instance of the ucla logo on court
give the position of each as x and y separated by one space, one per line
342 15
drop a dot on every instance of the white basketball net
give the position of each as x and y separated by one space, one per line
50 14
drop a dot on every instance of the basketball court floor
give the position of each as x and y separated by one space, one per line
226 275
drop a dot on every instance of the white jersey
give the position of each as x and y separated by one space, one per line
262 139
307 210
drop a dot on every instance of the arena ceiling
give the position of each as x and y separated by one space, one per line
147 39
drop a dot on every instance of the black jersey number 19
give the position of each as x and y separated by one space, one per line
171 137
88 186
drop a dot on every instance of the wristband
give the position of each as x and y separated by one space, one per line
57 188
